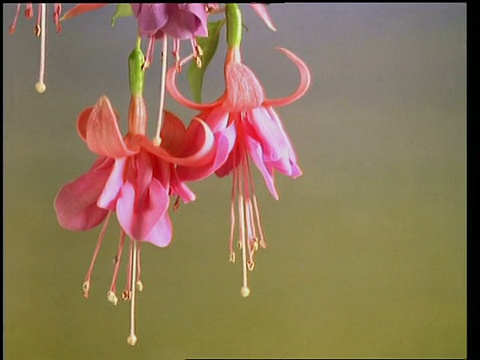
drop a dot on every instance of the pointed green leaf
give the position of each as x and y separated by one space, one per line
123 10
209 46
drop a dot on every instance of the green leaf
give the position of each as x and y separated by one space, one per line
123 10
209 46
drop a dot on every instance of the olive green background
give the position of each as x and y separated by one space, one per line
366 251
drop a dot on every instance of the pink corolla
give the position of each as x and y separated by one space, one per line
246 129
133 179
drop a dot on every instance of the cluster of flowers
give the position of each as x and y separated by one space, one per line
135 176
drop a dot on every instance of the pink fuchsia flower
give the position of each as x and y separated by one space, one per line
40 31
132 178
246 129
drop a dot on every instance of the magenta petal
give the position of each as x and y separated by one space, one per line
76 202
255 151
267 128
108 198
224 142
178 187
161 234
136 217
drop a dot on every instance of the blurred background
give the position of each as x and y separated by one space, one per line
366 251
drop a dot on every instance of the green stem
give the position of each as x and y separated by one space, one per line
234 25
136 73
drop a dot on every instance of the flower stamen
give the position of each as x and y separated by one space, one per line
15 19
111 295
86 283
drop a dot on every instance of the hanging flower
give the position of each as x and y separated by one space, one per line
246 129
132 178
40 30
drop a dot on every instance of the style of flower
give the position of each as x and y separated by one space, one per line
40 30
246 129
132 178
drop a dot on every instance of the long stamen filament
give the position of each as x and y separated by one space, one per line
111 295
139 282
232 214
132 338
15 19
127 293
86 283
40 86
157 140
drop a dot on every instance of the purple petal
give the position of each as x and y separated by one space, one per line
186 21
150 17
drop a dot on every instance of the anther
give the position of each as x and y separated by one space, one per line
245 291
139 285
232 257
126 295
85 288
37 30
198 61
112 297
28 11
250 265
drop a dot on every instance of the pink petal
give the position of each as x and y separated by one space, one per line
161 234
178 187
82 123
268 131
255 151
76 202
81 9
264 125
303 86
102 133
244 91
177 95
196 156
108 198
138 218
224 142
262 11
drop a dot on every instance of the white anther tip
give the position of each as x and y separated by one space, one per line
245 291
40 87
132 339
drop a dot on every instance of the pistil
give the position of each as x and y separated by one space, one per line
41 30
157 140
132 338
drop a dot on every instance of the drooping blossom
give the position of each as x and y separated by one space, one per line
246 128
40 30
133 179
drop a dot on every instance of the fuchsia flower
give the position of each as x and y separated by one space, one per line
40 31
132 178
246 129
